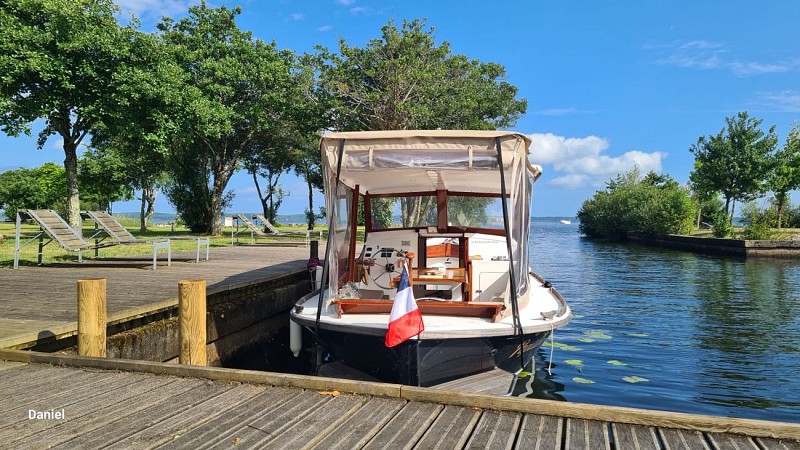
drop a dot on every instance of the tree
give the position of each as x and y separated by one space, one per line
785 176
632 204
237 91
405 81
38 188
59 61
736 162
103 178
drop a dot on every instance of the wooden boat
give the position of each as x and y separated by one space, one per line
482 306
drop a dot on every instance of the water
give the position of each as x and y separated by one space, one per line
670 330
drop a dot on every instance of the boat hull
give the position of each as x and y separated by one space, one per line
427 362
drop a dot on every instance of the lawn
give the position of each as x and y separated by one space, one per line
55 254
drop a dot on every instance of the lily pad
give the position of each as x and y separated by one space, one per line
638 334
561 346
582 380
586 339
597 334
614 362
523 374
635 379
574 362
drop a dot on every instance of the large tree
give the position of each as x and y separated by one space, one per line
236 93
735 162
37 188
59 61
785 176
404 80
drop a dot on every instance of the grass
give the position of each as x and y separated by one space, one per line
54 254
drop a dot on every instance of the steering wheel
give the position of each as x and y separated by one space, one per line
383 267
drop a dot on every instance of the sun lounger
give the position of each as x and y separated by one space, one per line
276 231
257 231
51 225
106 224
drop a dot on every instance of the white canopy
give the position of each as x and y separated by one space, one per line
385 162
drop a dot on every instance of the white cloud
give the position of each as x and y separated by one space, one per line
581 162
325 28
555 112
783 101
345 2
358 9
296 16
710 55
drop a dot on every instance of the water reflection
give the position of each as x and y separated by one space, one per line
711 335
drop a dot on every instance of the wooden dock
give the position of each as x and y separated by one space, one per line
130 404
40 302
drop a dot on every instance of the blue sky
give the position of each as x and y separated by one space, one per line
609 84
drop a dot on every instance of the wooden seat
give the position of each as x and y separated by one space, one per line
427 307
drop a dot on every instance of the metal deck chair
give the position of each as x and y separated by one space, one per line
105 223
53 226
275 231
249 227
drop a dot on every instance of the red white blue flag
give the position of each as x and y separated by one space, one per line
405 321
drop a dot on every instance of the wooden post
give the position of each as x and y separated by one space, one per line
92 317
192 317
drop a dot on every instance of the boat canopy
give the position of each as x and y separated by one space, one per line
385 162
441 163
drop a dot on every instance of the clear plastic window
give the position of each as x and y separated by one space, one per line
403 212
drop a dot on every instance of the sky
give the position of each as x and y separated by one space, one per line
610 84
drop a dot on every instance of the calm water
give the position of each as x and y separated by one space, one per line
670 330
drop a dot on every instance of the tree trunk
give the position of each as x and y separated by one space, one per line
311 215
781 198
73 199
148 207
215 221
699 215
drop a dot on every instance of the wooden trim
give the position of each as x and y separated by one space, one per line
441 209
351 254
426 307
705 423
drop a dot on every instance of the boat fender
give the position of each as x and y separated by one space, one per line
547 284
295 338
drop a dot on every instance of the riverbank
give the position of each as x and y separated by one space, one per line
789 248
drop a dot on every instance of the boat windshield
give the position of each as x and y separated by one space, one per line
419 211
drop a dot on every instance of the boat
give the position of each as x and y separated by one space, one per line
565 222
430 200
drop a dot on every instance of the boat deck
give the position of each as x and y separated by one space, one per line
131 404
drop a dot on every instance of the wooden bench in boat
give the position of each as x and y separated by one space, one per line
487 310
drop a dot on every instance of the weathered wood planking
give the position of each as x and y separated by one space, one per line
132 410
495 381
41 301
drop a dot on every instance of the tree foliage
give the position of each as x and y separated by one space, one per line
632 204
236 92
39 188
785 175
735 162
103 179
404 80
59 62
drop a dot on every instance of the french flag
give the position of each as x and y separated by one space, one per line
405 321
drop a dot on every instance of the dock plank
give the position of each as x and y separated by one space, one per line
315 425
495 381
210 434
732 442
634 437
397 434
582 434
160 408
496 430
777 444
32 309
207 411
5 365
674 439
84 415
451 429
540 433
363 425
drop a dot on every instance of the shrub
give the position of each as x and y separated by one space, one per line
722 225
757 221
